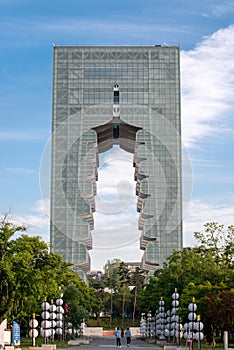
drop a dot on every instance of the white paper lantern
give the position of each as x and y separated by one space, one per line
192 316
46 324
175 296
59 316
33 323
46 333
52 308
175 303
191 325
45 315
199 326
45 306
52 315
59 331
192 307
33 333
59 324
59 302
199 335
60 309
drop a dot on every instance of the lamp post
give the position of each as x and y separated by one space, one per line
158 323
162 320
192 328
176 326
45 324
199 336
192 317
168 329
33 332
143 325
149 324
52 310
59 316
153 326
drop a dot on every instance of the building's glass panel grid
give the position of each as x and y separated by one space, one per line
149 83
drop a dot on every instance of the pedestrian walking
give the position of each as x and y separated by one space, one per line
118 337
189 339
128 336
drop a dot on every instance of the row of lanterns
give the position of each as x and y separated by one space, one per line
193 329
52 321
167 324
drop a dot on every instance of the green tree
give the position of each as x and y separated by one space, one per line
29 273
204 272
7 231
218 240
111 278
215 304
7 275
124 279
76 311
137 280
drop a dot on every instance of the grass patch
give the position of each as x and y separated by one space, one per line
25 342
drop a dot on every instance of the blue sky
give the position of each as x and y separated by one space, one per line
205 32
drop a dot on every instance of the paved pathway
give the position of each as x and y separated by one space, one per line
109 343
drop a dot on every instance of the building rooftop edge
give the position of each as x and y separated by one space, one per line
116 46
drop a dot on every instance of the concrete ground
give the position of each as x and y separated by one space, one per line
110 343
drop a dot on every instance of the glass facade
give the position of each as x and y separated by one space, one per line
149 127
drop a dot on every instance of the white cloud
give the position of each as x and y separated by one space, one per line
20 170
207 75
116 186
37 221
20 135
200 213
223 9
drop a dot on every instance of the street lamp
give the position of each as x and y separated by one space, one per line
176 326
192 326
169 325
59 316
153 326
149 324
199 336
192 317
52 310
45 324
162 320
33 332
143 325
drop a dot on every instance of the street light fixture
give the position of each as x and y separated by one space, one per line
45 324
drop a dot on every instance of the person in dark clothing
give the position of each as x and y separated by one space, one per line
128 337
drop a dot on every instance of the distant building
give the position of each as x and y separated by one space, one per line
95 274
127 96
132 266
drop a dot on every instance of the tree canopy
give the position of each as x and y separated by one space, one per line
29 272
205 273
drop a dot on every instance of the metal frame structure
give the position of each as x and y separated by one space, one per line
146 114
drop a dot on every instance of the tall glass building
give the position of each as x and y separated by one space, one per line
127 96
